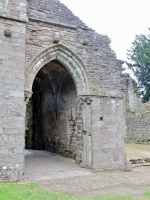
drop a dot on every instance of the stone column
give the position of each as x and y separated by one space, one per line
27 96
85 128
12 36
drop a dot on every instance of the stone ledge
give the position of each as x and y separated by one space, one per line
23 20
52 23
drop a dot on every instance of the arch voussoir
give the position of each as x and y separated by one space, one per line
70 61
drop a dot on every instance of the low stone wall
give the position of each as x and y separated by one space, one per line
138 127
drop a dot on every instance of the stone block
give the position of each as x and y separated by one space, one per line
19 139
12 122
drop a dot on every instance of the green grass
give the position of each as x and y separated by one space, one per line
147 194
31 191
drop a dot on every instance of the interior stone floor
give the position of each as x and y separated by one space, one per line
43 165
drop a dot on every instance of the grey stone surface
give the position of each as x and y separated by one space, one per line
135 182
70 94
55 167
137 115
12 65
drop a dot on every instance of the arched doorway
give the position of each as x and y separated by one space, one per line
52 124
59 85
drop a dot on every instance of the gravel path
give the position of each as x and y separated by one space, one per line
135 183
62 175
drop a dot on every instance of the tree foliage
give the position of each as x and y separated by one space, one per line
139 63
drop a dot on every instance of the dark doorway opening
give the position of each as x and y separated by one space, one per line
50 115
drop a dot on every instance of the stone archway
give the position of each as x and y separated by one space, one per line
68 59
77 71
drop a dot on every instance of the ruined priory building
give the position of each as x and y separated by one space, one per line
137 114
61 89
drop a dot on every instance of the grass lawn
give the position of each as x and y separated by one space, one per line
137 150
31 191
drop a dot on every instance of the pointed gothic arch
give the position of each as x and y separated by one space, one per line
68 59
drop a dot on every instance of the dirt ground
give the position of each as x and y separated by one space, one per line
134 151
135 182
62 175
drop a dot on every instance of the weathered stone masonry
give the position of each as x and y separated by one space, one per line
137 114
12 66
72 85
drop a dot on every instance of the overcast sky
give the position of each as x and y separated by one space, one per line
119 19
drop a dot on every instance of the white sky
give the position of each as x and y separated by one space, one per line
119 19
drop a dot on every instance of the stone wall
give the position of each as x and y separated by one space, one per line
108 129
45 24
89 88
137 115
12 65
29 125
13 9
